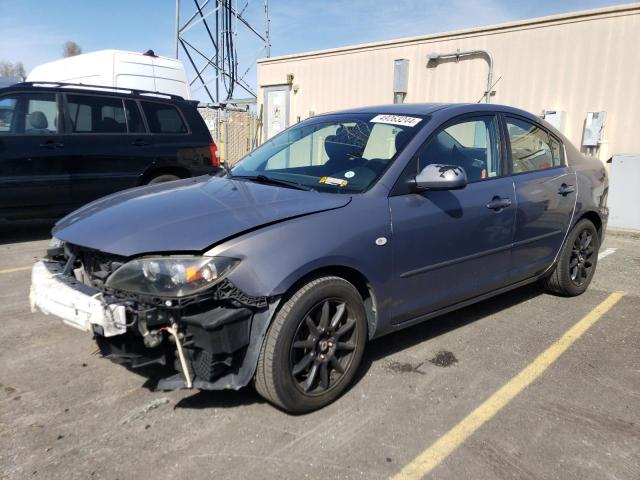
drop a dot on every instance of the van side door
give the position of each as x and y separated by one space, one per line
34 180
546 194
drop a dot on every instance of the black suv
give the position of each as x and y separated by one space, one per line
64 145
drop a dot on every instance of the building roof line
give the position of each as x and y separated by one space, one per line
538 21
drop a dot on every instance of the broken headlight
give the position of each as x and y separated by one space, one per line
55 243
170 276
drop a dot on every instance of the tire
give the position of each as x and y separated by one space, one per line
577 261
162 179
301 370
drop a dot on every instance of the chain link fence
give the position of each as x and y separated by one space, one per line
235 132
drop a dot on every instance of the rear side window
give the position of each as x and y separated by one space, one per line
88 114
29 113
163 118
556 151
531 147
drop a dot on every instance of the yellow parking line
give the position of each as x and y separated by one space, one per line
11 270
445 445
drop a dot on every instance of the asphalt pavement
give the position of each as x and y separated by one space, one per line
65 413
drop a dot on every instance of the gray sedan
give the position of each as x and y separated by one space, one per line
346 227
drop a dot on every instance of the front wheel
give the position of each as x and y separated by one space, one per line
313 347
577 261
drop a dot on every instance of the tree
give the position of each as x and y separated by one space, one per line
8 69
71 49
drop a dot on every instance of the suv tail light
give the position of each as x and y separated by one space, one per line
213 149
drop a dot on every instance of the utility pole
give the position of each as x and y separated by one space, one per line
177 27
267 41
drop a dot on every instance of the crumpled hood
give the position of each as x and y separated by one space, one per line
187 215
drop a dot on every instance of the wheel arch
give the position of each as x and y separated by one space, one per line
153 172
351 275
594 218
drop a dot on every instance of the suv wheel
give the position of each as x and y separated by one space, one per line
162 179
314 346
577 262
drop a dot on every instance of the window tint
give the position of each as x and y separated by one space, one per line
88 114
471 144
29 113
163 118
531 147
134 118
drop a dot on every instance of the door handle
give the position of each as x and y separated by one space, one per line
52 144
139 142
498 203
566 189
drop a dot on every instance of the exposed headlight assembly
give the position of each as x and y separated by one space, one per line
177 276
55 243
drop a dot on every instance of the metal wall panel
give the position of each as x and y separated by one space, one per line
578 62
624 195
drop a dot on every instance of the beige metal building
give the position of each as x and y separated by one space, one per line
570 64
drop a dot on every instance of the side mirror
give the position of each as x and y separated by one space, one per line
440 177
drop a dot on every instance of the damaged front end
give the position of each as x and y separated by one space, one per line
181 312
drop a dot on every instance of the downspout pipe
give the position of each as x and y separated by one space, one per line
436 57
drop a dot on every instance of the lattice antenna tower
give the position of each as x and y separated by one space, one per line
216 67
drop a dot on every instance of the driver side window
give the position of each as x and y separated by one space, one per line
471 143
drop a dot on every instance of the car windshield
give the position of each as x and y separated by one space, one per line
341 153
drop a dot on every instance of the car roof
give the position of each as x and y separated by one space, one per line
430 108
93 89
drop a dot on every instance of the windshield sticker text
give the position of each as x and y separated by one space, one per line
402 120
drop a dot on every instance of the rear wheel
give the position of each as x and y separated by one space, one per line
577 261
163 178
313 347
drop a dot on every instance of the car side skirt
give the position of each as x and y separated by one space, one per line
462 304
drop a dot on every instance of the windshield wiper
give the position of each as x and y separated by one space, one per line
275 181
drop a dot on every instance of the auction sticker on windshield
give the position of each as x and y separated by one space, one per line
333 181
402 120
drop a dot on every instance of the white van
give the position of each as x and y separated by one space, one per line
117 68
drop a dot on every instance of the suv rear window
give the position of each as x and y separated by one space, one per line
163 118
88 114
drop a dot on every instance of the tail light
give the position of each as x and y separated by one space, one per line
213 149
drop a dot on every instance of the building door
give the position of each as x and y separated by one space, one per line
276 108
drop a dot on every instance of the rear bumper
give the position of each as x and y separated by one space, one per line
76 304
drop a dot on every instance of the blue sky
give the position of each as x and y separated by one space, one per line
33 31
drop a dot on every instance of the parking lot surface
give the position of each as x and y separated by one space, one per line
65 413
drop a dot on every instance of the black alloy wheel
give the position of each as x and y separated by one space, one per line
313 347
581 263
322 348
577 261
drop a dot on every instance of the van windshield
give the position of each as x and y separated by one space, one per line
342 154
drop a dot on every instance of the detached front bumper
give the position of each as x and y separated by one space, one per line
76 304
220 334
